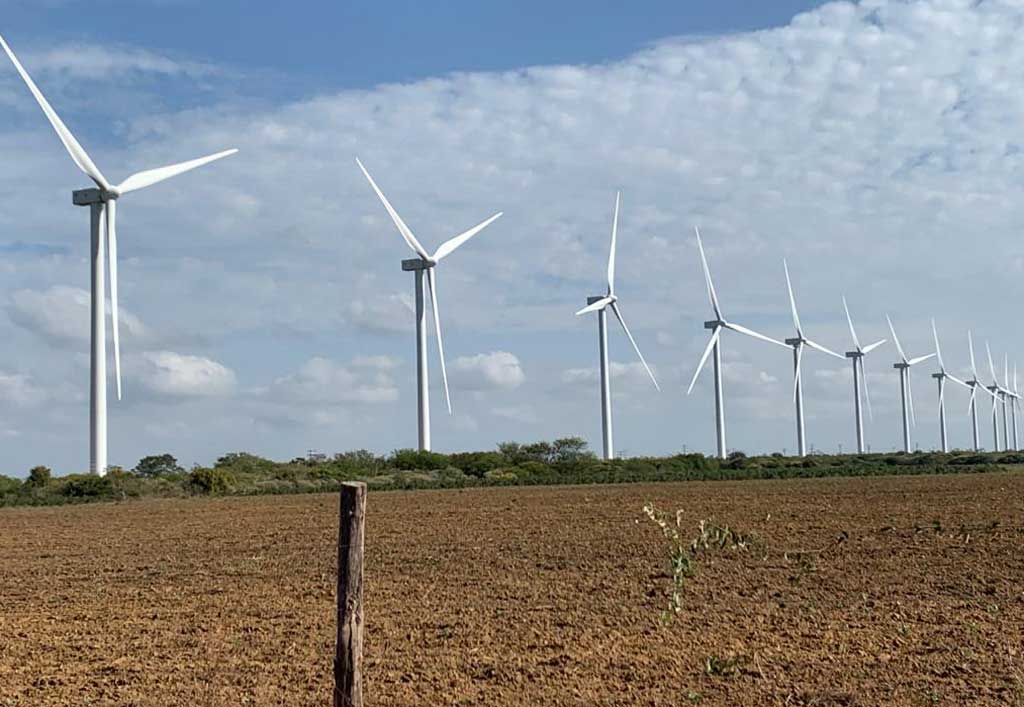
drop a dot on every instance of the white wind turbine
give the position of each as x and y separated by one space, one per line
601 304
714 344
859 377
1009 401
798 342
1014 404
906 392
997 397
975 384
103 205
941 377
425 263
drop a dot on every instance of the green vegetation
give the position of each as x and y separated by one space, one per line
563 461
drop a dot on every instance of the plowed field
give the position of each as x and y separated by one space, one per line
883 591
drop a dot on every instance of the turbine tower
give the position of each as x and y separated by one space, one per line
601 304
906 392
1009 401
941 377
798 342
425 263
859 377
714 344
974 384
1014 404
102 203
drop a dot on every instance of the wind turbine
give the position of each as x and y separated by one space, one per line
997 397
941 377
798 342
975 384
1014 404
426 263
601 304
102 202
859 377
906 392
1008 402
714 344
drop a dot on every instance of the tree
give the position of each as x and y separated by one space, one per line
570 449
157 465
39 477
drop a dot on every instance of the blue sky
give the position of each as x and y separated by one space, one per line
319 45
875 145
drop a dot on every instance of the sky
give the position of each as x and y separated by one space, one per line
874 145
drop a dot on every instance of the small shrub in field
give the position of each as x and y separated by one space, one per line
209 481
501 475
683 554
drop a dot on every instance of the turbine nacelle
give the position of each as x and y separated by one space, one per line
413 264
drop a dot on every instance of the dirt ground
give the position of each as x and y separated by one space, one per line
884 591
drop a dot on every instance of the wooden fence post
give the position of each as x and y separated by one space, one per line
348 659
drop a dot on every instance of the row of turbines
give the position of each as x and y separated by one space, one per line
1004 395
102 202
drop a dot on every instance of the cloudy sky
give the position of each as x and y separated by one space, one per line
875 145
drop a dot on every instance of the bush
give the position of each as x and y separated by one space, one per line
39 477
87 486
9 485
205 480
157 465
411 459
244 463
477 463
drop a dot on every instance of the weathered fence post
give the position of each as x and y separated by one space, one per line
348 659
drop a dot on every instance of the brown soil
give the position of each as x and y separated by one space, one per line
886 591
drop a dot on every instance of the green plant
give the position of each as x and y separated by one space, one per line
209 481
157 465
39 477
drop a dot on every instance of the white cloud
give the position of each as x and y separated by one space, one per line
181 375
323 381
61 314
633 374
498 370
20 390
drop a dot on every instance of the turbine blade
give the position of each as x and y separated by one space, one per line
715 336
919 359
449 246
792 300
867 396
611 254
910 399
410 239
957 380
1006 371
799 366
871 347
991 366
938 350
618 315
111 207
818 347
942 393
849 320
600 304
141 180
751 332
77 152
432 284
895 339
970 343
707 277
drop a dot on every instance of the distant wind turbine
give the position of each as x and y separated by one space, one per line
859 377
975 384
798 342
906 391
997 397
941 377
103 205
425 263
714 344
601 304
